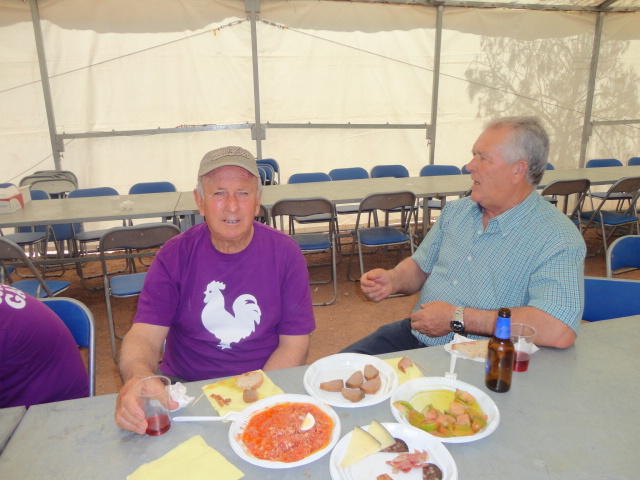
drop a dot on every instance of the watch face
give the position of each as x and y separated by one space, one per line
457 326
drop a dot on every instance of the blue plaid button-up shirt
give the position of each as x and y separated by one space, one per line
531 255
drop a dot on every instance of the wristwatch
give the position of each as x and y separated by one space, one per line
457 323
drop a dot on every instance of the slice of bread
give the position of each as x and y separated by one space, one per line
250 380
473 349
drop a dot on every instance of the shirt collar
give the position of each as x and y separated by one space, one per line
512 218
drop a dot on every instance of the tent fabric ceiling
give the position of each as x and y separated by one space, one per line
114 67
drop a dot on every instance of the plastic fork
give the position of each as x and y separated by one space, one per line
450 377
231 416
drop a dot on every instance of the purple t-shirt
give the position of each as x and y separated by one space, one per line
39 359
225 311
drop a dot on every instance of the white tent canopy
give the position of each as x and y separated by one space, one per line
139 91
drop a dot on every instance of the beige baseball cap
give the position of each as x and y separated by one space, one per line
228 156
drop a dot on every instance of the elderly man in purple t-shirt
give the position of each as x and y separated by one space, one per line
229 296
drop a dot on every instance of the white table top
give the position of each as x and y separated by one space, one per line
569 417
92 209
9 420
352 191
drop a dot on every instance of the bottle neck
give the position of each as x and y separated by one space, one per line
503 328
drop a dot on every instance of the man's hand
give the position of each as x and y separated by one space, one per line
129 413
376 284
434 318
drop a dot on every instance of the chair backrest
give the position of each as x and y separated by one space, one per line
39 195
603 162
624 252
406 201
633 161
550 166
464 170
56 187
266 174
93 192
79 320
606 298
625 185
437 170
11 251
301 207
5 185
566 188
397 171
271 162
145 235
349 173
309 177
152 187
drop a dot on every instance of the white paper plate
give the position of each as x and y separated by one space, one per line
342 366
409 389
236 429
375 465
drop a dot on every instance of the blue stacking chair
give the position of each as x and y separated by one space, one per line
81 237
151 187
624 253
620 197
273 167
606 298
34 238
633 161
435 203
37 287
550 166
312 243
464 170
614 219
383 236
348 173
127 242
396 171
79 320
310 177
565 189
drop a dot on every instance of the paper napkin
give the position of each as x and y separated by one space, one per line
193 459
411 372
228 390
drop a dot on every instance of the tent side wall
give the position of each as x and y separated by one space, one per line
116 70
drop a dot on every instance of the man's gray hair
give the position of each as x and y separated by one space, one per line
529 142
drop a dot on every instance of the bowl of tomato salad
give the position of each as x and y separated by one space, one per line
274 438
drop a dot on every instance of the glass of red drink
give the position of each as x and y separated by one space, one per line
153 397
522 336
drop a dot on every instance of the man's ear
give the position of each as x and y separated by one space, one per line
520 168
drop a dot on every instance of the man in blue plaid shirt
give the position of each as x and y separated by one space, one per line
503 246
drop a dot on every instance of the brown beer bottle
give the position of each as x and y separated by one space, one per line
500 355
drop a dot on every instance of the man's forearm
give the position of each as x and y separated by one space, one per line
138 357
408 278
291 352
551 332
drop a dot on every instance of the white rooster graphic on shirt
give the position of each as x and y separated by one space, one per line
226 327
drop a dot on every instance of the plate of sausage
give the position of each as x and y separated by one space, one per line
350 380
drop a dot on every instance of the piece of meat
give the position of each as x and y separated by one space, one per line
355 380
372 386
404 363
431 472
332 385
370 372
399 447
249 396
353 394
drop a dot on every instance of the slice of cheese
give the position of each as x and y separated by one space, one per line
381 434
361 445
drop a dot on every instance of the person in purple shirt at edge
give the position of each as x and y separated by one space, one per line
230 295
39 359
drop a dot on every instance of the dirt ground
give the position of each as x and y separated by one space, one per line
351 317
